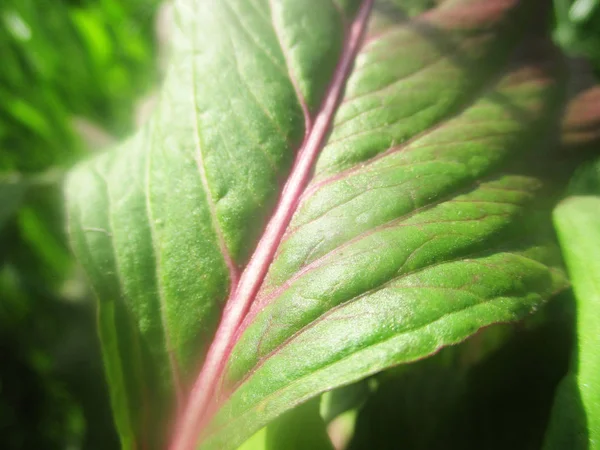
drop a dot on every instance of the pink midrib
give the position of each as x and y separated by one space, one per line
199 405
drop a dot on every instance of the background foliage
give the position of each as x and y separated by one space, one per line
72 74
577 28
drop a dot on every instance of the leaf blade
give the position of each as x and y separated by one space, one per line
296 295
221 156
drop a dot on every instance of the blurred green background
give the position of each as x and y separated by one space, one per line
75 76
72 75
577 29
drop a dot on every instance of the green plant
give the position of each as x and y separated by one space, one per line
348 185
417 299
576 413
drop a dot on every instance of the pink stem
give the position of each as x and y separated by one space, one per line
236 307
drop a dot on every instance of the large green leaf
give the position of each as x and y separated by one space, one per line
408 220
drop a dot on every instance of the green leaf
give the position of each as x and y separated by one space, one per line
477 395
576 415
202 176
298 429
411 217
337 402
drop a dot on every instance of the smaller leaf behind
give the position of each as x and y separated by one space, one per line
577 221
299 429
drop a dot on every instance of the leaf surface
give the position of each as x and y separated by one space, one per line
359 185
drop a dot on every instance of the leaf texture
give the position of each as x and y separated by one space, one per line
419 225
163 223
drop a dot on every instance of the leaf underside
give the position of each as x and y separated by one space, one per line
422 221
